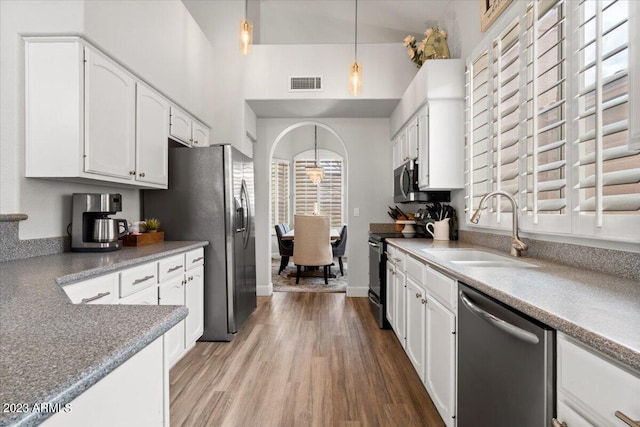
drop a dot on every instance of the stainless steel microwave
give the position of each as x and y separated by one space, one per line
406 188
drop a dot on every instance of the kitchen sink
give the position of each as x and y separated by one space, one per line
475 258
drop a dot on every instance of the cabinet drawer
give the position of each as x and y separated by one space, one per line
138 278
171 267
194 258
148 296
397 257
442 287
99 290
597 387
415 269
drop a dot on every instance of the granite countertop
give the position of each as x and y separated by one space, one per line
52 350
601 310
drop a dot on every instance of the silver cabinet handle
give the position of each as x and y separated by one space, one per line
423 301
93 298
133 172
397 259
144 279
418 295
190 139
190 278
505 326
184 282
177 267
195 141
627 420
142 174
373 245
556 423
197 259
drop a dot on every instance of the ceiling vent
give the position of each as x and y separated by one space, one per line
305 84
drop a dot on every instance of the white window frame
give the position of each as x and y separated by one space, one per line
572 223
323 154
275 199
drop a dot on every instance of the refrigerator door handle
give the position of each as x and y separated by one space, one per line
239 217
244 196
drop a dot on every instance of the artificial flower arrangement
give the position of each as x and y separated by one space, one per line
433 46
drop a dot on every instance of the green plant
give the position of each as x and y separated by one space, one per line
151 224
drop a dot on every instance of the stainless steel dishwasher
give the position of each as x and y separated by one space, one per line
506 367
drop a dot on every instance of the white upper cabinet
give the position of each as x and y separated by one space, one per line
187 130
431 114
152 113
109 117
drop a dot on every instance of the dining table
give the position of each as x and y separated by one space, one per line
335 235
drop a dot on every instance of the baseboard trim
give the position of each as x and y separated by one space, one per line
264 291
359 292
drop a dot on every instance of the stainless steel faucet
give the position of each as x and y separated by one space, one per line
517 245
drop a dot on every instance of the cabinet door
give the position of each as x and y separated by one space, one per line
109 117
194 300
147 297
412 139
415 328
152 131
404 148
200 135
391 292
423 147
400 317
180 126
172 293
397 153
440 369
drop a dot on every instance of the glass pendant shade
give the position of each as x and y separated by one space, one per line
246 36
355 78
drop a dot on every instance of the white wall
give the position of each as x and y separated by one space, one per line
158 40
386 70
369 189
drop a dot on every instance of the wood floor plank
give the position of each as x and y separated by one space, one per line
302 359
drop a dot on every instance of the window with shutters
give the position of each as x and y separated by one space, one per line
279 192
559 140
329 194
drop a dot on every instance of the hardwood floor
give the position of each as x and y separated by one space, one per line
303 359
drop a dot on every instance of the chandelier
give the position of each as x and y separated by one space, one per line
315 172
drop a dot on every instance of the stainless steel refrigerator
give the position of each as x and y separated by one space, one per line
211 197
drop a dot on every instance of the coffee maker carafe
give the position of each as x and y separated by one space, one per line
92 230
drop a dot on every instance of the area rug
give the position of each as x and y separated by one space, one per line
283 283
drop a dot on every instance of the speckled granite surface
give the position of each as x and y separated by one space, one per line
11 247
52 350
601 310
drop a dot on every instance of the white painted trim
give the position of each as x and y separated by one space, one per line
264 291
357 291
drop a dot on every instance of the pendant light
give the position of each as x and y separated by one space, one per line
355 70
315 172
246 33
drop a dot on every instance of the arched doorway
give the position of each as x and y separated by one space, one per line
290 151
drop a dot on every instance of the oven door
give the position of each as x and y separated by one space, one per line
376 282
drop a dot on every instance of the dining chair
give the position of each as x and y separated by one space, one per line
339 246
312 246
284 247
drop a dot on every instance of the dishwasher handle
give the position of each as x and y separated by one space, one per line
501 324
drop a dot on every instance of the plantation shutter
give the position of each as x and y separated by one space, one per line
478 130
546 123
609 171
328 194
279 192
506 114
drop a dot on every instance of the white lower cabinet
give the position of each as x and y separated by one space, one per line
440 368
424 319
401 306
99 290
391 294
194 300
171 292
416 325
132 395
146 297
593 390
